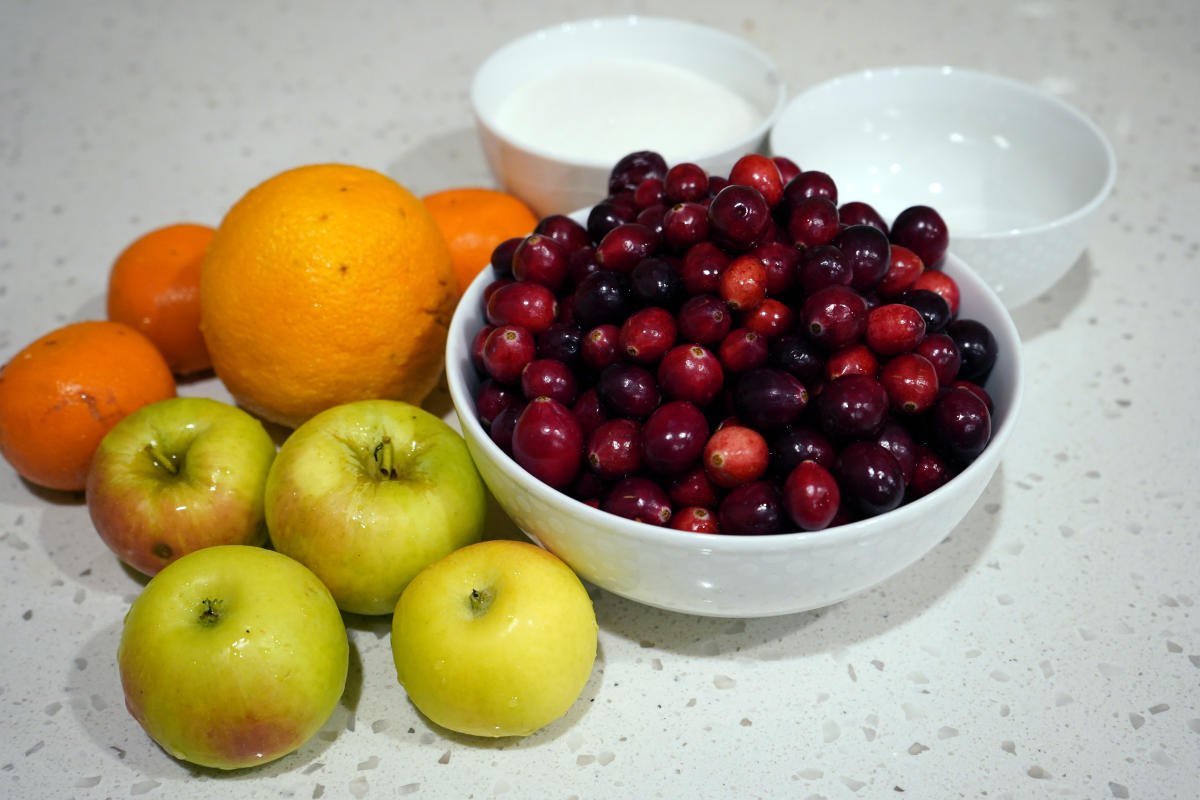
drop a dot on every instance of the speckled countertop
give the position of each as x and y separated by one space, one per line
1049 647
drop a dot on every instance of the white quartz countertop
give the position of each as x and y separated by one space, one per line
1049 647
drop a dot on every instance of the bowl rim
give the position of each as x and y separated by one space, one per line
947 71
790 541
569 28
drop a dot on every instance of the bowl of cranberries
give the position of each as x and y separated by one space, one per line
728 395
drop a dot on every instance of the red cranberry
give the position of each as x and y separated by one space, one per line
625 245
734 455
695 519
693 488
614 449
742 350
812 221
743 284
854 359
859 213
477 347
530 305
761 173
930 471
589 411
896 439
702 264
639 499
810 496
894 328
648 334
942 352
811 183
652 217
502 427
548 442
911 383
601 346
904 267
685 225
770 319
752 509
649 193
704 319
540 259
852 407
568 233
673 437
871 477
685 182
551 378
834 316
506 351
690 372
739 217
922 230
781 261
788 169
978 390
628 390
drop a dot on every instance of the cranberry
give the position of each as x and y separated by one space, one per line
852 407
871 477
788 169
601 346
506 351
834 316
652 217
859 213
896 439
977 346
770 319
649 193
685 225
614 449
702 265
799 356
602 296
868 253
690 372
673 437
607 215
477 347
800 443
548 442
568 233
647 334
739 217
810 496
502 255
492 398
562 340
589 410
930 471
628 390
911 383
978 390
894 328
695 519
743 284
502 427
853 359
931 305
922 230
811 183
639 499
753 509
693 488
781 261
551 378
625 245
704 319
940 283
685 182
761 173
655 282
812 221
904 267
742 350
634 168
769 398
735 454
942 352
960 422
530 305
540 259
821 266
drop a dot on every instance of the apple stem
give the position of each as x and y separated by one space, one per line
384 457
480 601
161 459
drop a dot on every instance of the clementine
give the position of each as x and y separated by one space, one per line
154 286
326 284
64 391
475 220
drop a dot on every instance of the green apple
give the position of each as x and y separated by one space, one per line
179 475
233 656
495 639
367 493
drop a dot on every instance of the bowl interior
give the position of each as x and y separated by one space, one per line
993 155
715 55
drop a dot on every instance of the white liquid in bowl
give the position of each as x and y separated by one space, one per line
611 107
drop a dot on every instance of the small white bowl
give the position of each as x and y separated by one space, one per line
1017 174
556 108
726 575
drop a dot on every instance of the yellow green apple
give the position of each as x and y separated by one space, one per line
366 494
179 475
233 656
495 639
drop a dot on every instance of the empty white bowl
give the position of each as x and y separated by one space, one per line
555 109
1017 174
727 575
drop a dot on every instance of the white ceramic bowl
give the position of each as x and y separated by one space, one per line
563 164
1017 174
736 576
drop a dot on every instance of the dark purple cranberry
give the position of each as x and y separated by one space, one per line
810 496
562 340
868 253
812 221
941 351
569 234
960 423
588 487
602 297
811 183
897 440
931 305
639 499
690 372
653 217
580 264
502 255
654 282
769 399
821 266
614 449
859 213
589 411
628 390
871 477
977 346
798 443
739 217
548 442
549 377
781 261
607 215
852 407
799 356
922 230
704 319
501 430
625 246
492 398
634 168
930 470
477 342
754 508
684 225
701 268
673 437
834 317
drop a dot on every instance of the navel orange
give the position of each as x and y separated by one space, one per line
474 220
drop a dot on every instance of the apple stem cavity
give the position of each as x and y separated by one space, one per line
162 460
212 611
481 601
384 457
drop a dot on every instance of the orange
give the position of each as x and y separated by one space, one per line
322 285
474 221
154 286
62 393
